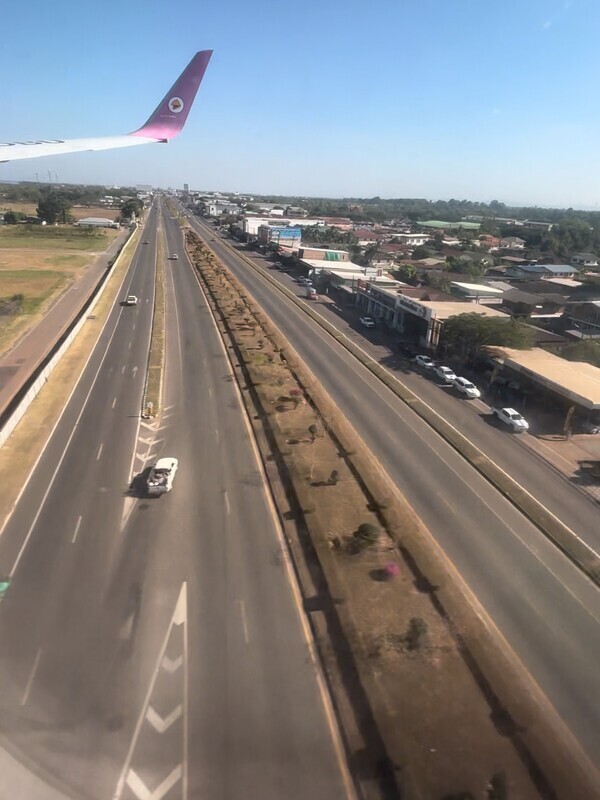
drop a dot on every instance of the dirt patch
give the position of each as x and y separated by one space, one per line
423 720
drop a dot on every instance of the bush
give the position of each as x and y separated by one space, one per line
417 630
368 533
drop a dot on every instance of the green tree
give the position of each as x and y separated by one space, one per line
11 218
53 206
468 333
131 207
405 272
422 252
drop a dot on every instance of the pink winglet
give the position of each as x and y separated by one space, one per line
170 116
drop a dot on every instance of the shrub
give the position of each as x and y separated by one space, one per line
368 533
417 630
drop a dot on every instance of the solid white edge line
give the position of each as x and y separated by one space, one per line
27 691
76 529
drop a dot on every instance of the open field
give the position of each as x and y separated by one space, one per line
78 212
32 259
39 262
55 238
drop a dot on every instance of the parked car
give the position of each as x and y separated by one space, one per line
131 300
160 478
445 373
424 361
511 418
467 388
368 322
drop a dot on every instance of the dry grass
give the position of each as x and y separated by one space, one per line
52 238
78 212
156 357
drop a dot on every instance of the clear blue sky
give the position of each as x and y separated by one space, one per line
475 99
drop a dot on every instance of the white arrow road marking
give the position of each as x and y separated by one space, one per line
171 666
161 724
128 775
134 370
141 791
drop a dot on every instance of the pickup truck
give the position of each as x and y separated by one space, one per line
511 418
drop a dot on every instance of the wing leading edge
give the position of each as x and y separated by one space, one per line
164 124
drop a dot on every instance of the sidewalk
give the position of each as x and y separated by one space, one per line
17 365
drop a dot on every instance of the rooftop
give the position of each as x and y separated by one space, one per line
445 310
477 288
575 380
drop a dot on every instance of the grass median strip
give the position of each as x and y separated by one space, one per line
156 356
390 598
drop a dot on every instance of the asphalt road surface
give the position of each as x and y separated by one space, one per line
153 647
546 609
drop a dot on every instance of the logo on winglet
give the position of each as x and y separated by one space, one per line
176 105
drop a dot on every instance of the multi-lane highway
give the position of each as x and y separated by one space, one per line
154 647
547 610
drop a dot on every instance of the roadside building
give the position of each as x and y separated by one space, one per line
438 224
416 314
279 234
583 319
558 382
411 239
477 292
513 243
588 260
96 222
540 271
383 259
532 306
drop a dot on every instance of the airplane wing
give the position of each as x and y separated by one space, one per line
165 123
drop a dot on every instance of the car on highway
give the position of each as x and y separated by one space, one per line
511 418
424 361
305 282
130 300
367 322
465 387
145 241
173 257
445 373
161 476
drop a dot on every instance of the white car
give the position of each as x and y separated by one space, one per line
424 361
511 418
173 257
131 300
368 322
467 388
160 478
446 374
